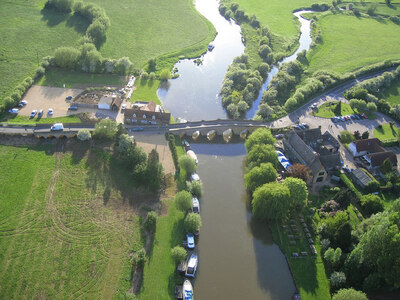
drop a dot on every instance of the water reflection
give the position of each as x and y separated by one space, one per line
238 259
195 94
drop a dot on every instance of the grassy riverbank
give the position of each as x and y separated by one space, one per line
349 43
146 90
58 244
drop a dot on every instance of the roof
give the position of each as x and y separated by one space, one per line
330 161
151 106
139 114
378 158
117 101
369 145
107 99
361 176
306 153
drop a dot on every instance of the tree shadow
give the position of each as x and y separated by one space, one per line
78 23
52 17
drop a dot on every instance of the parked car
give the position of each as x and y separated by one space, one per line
334 120
24 102
123 106
68 97
137 129
305 125
357 117
57 127
13 111
40 113
33 113
353 117
73 107
50 112
279 136
190 240
363 115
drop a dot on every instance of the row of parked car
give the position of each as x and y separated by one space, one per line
40 113
301 126
349 117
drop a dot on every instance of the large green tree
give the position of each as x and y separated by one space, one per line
371 204
187 163
183 200
192 222
271 201
106 129
66 57
259 136
298 192
258 176
262 153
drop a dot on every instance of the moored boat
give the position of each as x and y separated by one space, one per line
193 156
192 266
187 290
196 205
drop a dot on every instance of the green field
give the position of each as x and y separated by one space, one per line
392 94
386 132
139 29
146 90
60 245
349 43
326 110
31 121
27 35
381 8
72 79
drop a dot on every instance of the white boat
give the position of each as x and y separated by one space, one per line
211 135
192 266
196 205
187 289
196 135
193 156
227 135
194 177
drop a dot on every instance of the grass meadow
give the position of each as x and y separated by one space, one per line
146 90
387 132
349 43
12 119
68 224
27 35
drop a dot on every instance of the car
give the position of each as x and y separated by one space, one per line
33 113
68 97
305 125
50 112
24 102
346 118
40 113
334 120
279 136
342 119
57 127
190 240
13 111
353 117
137 129
123 106
73 107
357 117
364 116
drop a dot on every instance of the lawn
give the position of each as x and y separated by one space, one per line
392 94
59 245
29 33
381 8
72 79
146 90
387 133
10 119
349 43
160 275
326 110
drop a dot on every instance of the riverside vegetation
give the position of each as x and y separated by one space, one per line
356 233
267 43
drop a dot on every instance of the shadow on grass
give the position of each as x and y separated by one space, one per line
52 17
78 23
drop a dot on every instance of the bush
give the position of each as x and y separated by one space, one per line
372 107
346 137
105 130
192 222
262 154
258 176
183 201
97 33
371 204
349 294
271 201
123 66
84 135
151 221
165 74
178 254
338 280
188 164
64 6
139 258
66 57
259 136
196 188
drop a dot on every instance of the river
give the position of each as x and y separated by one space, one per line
237 256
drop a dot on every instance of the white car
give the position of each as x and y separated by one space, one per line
50 112
33 113
57 127
123 106
13 111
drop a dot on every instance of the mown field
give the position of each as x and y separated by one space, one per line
392 94
349 43
68 224
27 35
139 29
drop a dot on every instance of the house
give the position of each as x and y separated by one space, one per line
320 152
375 160
363 147
360 177
110 102
138 116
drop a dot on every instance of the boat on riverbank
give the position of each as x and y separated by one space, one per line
193 156
196 205
192 266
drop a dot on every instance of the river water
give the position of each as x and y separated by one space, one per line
237 256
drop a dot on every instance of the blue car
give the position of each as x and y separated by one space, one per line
137 129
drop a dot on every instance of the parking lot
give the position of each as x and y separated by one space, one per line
44 97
